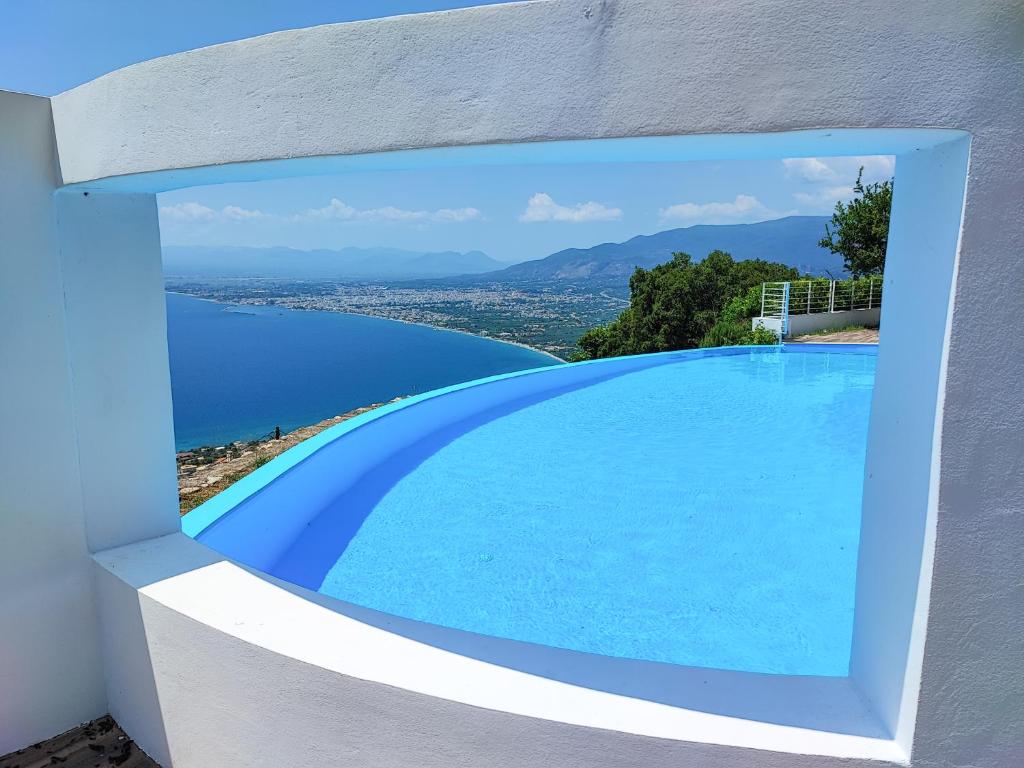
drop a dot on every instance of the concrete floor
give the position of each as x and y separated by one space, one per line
97 744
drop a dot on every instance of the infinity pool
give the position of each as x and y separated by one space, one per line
698 511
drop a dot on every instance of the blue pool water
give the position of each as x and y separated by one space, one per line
702 512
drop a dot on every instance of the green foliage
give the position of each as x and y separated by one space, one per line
679 305
728 333
762 336
259 460
859 231
744 306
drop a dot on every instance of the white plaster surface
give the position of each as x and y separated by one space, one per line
554 69
87 450
971 705
563 69
51 674
117 340
898 517
342 691
820 321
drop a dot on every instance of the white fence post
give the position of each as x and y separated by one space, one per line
784 324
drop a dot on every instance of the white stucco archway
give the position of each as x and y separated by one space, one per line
936 84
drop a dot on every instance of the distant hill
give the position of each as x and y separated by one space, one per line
347 263
792 241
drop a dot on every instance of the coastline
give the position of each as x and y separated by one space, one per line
379 317
206 470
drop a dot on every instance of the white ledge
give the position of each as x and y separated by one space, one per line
198 584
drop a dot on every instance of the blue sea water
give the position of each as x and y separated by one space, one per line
239 371
703 512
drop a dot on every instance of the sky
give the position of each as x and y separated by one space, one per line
512 213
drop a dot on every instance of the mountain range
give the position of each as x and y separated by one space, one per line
792 240
346 263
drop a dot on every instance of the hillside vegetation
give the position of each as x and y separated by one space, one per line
682 305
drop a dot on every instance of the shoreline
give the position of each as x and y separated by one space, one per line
380 317
206 470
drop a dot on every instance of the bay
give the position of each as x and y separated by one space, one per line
237 372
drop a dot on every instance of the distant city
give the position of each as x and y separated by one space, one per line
549 317
545 304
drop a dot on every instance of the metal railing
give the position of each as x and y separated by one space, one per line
775 303
805 297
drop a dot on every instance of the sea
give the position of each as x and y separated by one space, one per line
239 371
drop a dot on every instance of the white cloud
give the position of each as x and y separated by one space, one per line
831 169
341 211
336 209
333 210
457 214
241 214
743 210
830 179
824 196
809 168
542 207
876 167
187 212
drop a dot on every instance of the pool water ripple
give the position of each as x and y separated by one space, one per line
703 512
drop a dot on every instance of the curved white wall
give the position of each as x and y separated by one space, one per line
308 101
552 69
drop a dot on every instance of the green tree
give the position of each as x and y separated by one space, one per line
676 305
859 230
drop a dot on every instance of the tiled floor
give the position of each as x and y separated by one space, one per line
97 744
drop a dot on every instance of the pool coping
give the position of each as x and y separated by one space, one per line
298 640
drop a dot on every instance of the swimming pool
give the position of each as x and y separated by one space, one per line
698 508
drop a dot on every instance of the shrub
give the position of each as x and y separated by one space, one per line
679 304
725 333
762 336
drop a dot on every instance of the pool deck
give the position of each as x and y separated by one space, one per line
95 744
863 336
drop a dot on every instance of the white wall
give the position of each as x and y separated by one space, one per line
973 676
117 337
559 69
220 666
898 516
51 675
820 321
565 70
87 448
